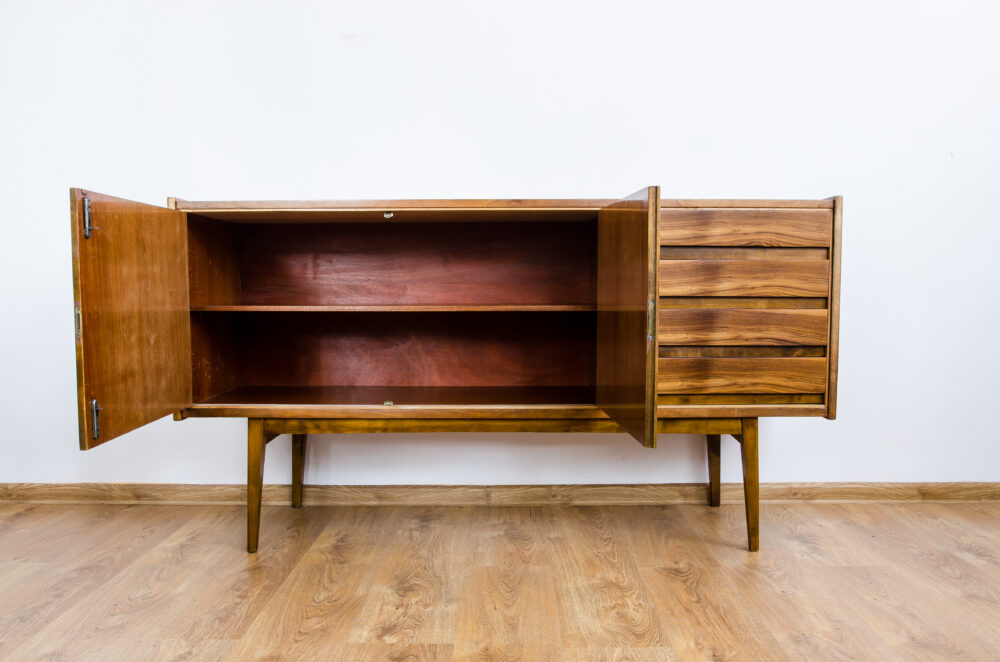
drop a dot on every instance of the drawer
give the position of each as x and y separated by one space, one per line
729 326
744 278
742 375
746 227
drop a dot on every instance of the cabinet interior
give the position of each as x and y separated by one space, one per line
451 307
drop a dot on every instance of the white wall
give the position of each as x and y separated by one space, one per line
893 105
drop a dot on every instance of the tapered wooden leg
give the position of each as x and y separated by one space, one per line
751 484
714 469
256 444
298 468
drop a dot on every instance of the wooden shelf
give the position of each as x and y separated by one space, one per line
407 402
408 395
400 308
394 211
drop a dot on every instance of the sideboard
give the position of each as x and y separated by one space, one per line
640 315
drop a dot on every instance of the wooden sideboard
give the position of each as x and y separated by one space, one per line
640 315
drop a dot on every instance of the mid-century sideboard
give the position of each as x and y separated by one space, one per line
640 315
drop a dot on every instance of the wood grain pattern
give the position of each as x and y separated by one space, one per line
256 449
469 204
131 287
751 481
424 425
745 203
405 402
741 351
738 411
741 398
213 262
771 375
216 355
626 300
745 227
834 351
741 253
607 605
742 327
298 468
713 444
811 303
864 581
416 349
418 264
751 278
400 211
484 495
406 308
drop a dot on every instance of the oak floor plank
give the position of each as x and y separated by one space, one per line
249 581
602 598
962 532
144 596
416 595
875 597
924 585
379 652
11 513
619 655
55 584
318 604
833 581
699 622
508 613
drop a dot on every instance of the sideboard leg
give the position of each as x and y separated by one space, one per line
256 444
714 469
751 484
298 468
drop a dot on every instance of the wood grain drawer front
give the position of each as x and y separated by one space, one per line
726 326
746 227
739 375
744 278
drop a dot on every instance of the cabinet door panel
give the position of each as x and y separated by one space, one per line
627 255
133 334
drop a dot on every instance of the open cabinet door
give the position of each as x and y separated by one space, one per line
133 327
626 312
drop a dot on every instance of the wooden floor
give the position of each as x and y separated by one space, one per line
896 581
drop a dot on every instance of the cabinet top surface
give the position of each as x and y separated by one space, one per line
512 204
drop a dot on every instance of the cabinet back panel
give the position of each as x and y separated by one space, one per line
399 349
417 263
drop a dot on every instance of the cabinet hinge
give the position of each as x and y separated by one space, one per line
95 419
77 322
651 320
88 226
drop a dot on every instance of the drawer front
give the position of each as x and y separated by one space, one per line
746 227
744 323
728 326
742 375
745 278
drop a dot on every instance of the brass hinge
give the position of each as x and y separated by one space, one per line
77 322
95 419
88 226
